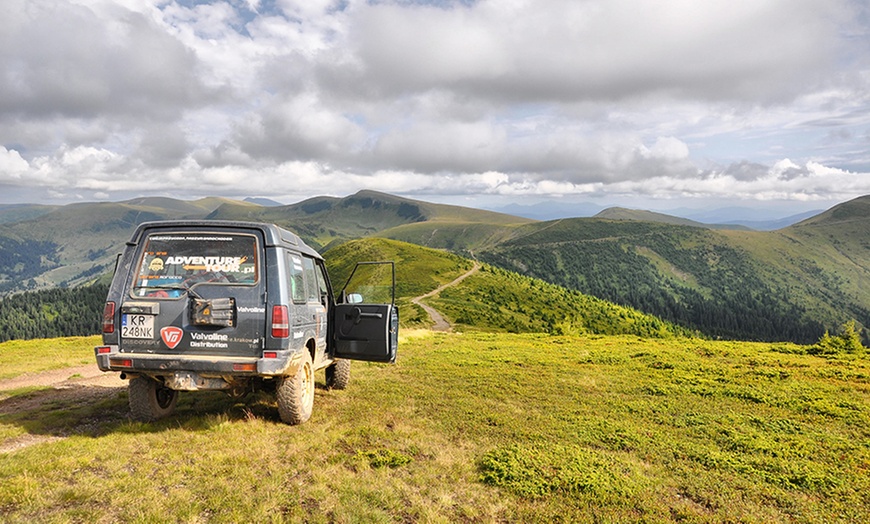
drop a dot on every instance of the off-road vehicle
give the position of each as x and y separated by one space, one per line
238 306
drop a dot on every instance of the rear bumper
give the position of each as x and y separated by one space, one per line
111 358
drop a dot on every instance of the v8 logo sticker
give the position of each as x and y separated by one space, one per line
171 336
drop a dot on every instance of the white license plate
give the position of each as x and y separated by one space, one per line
137 326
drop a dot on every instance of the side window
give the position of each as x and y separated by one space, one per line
297 282
310 280
321 281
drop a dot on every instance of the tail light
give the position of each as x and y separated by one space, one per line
280 322
109 318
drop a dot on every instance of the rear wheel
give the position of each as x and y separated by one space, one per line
296 394
150 400
338 374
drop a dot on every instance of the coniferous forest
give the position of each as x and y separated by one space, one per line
49 313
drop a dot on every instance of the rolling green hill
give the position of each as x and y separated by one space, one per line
18 212
325 220
492 299
71 245
789 284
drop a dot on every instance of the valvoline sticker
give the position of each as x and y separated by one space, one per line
171 336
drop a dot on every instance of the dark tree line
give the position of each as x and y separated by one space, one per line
50 313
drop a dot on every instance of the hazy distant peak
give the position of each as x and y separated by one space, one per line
621 213
262 201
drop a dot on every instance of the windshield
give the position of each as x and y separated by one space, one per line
173 263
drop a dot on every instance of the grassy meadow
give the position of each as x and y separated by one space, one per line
18 356
474 427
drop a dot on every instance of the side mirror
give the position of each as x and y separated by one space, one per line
354 298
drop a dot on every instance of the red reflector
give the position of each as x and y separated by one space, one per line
121 362
244 367
109 318
270 354
280 322
102 350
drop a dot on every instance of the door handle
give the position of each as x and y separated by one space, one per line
356 314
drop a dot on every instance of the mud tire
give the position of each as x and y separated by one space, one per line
149 400
296 394
338 374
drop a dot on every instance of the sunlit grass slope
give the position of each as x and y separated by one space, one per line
419 270
474 427
498 300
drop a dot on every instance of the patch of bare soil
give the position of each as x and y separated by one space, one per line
88 374
67 389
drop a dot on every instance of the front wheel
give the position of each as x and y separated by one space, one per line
338 374
296 393
150 400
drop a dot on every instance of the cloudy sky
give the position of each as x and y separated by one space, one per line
645 103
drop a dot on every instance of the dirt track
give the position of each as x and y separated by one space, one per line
75 386
440 323
89 375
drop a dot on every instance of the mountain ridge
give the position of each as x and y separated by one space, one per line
621 213
791 283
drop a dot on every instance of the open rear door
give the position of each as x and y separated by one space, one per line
366 322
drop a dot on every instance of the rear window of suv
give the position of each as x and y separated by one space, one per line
172 262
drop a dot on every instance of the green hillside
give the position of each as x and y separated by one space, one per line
19 212
787 285
836 249
790 284
492 299
418 270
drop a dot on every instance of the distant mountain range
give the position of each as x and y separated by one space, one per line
724 280
716 218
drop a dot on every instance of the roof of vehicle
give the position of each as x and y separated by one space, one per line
274 236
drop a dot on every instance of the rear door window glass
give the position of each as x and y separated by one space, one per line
310 280
185 259
297 281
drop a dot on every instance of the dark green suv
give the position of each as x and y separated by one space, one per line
238 306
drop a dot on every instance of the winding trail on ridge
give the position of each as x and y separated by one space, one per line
440 323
